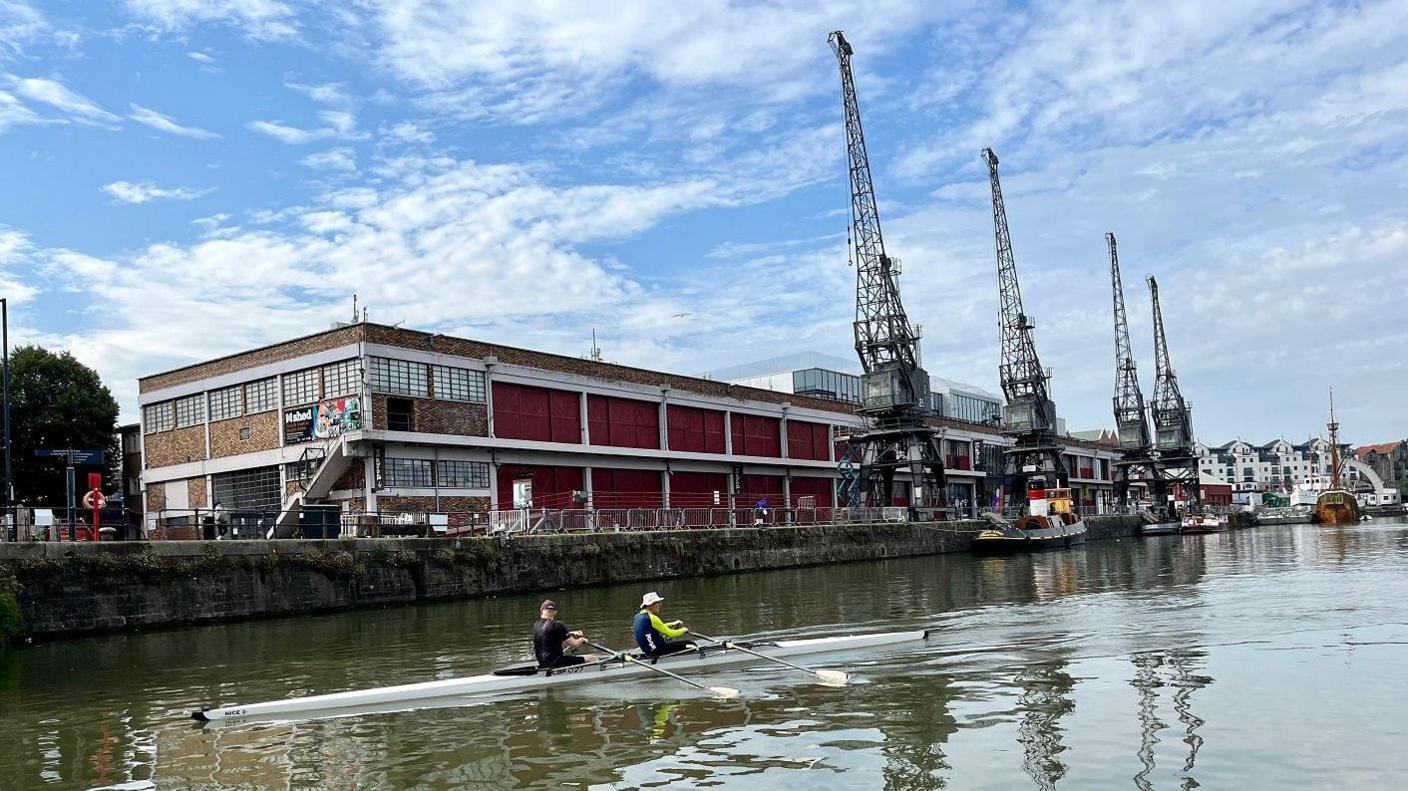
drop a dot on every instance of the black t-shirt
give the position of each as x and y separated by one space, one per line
548 636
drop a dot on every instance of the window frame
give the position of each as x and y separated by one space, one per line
394 466
476 474
222 397
150 426
346 375
302 383
261 389
473 389
190 408
397 377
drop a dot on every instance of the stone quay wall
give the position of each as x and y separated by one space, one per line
57 589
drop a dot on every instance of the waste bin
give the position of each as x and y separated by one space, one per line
320 521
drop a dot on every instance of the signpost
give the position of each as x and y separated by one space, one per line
85 458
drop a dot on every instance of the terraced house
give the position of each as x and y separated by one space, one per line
379 419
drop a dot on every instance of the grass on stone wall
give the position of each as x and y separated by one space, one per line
9 605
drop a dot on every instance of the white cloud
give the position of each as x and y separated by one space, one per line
142 192
341 125
20 23
408 132
156 120
13 112
525 62
75 106
327 93
341 158
267 20
15 249
201 57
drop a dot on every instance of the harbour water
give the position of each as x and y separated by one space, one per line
1261 658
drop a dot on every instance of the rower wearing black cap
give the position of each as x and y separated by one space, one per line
552 639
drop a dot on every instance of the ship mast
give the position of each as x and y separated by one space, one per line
1334 445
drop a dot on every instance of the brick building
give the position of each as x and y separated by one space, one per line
382 419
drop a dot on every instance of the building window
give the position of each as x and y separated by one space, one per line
408 472
190 411
255 489
226 403
302 387
399 377
464 474
261 396
344 378
400 414
458 384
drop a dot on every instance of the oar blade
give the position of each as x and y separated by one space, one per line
832 678
724 693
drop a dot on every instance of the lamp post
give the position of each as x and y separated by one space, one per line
9 492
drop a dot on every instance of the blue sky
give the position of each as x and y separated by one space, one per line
188 178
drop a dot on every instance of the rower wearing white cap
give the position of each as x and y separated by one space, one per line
655 637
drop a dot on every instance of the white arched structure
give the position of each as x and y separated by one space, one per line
1382 495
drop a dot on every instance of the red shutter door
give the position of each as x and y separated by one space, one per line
820 488
598 424
552 486
566 411
712 423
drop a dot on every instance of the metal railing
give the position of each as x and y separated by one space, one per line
25 523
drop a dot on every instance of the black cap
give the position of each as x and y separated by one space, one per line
548 604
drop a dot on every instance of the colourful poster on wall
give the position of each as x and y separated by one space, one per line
324 420
336 417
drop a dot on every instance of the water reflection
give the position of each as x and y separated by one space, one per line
1027 681
1146 682
1045 699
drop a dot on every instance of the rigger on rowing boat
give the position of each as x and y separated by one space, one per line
714 654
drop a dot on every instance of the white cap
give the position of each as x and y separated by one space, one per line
650 598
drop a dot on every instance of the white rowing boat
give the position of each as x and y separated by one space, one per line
521 677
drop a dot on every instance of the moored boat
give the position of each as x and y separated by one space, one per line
1051 523
1336 505
1159 528
1205 523
529 676
1296 515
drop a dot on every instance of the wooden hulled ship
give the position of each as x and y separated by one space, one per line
1336 505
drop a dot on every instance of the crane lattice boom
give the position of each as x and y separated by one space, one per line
894 388
1173 430
885 339
1130 424
1023 379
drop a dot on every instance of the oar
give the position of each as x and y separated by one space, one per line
834 678
725 693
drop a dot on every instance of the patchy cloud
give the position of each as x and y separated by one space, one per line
263 20
341 158
72 105
340 125
156 120
145 191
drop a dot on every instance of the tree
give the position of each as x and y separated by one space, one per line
57 402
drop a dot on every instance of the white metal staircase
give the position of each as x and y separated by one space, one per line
319 469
